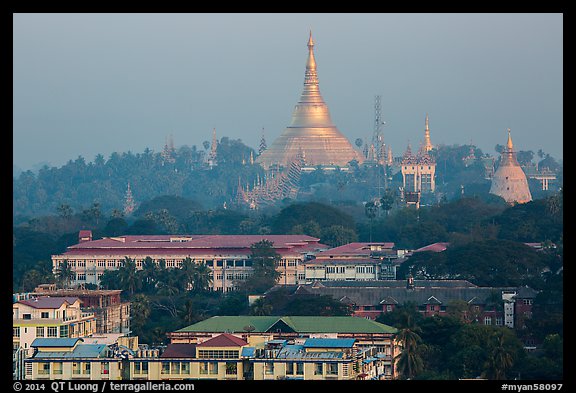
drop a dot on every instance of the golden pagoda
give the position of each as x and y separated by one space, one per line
509 180
311 129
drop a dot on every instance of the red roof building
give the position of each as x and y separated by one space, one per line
228 256
355 262
223 340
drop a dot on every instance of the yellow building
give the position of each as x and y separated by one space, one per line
70 359
49 317
340 348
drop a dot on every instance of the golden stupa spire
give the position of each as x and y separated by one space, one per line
310 127
509 145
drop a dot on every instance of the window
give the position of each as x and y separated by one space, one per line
43 368
40 331
388 308
218 354
76 368
487 320
64 331
299 368
44 315
332 369
52 331
185 368
527 302
16 332
140 368
26 316
269 368
175 368
165 368
231 368
57 368
105 368
289 368
318 368
498 321
204 368
86 368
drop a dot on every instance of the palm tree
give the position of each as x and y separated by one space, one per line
260 307
149 274
501 358
64 273
128 276
409 362
188 269
188 312
202 278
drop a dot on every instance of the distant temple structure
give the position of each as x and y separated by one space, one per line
509 180
418 171
311 129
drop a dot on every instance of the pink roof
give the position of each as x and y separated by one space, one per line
435 247
49 302
353 249
197 245
224 340
344 261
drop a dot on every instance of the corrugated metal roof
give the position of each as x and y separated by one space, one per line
51 342
81 351
299 324
329 342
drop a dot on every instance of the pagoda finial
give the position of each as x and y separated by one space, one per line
310 41
509 145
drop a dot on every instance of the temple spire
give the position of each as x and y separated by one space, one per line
427 143
509 145
310 127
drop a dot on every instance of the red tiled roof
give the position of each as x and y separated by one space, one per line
435 247
179 351
49 302
197 245
224 340
353 249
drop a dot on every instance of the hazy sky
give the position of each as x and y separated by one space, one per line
85 84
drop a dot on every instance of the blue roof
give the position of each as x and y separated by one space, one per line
81 351
248 351
329 342
55 342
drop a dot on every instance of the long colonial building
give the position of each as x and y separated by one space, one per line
232 348
227 256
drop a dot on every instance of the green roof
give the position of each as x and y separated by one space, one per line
232 324
298 324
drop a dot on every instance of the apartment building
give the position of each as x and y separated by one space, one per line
49 317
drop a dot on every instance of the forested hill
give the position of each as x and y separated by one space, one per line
79 184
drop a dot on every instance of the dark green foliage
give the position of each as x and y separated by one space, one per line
298 213
175 205
484 263
264 274
323 305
